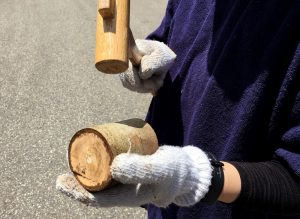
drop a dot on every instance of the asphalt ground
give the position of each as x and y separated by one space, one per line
49 89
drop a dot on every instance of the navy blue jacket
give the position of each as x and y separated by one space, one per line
234 89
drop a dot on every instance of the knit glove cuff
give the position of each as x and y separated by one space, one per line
199 179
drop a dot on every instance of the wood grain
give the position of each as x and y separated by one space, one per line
107 8
112 39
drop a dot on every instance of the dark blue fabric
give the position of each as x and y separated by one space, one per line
234 89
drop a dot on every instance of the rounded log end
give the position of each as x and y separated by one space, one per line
111 66
89 159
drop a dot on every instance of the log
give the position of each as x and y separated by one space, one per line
92 150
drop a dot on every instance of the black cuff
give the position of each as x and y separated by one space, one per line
217 181
268 187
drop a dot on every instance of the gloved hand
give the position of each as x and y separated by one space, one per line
156 62
171 175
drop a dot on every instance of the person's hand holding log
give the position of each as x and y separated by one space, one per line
180 175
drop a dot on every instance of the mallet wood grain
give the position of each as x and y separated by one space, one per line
92 150
107 8
114 41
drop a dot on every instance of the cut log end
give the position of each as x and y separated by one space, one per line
90 159
111 66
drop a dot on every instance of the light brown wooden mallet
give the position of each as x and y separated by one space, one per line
115 44
92 150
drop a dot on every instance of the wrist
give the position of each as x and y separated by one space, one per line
232 184
217 180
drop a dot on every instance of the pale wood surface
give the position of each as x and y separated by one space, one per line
89 159
112 39
106 8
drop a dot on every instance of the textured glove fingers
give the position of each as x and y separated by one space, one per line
68 185
149 76
131 80
150 169
157 60
119 195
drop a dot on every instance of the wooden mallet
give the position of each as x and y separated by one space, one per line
115 44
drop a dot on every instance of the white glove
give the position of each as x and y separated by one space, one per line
171 175
156 62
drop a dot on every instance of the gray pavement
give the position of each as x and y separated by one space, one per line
49 89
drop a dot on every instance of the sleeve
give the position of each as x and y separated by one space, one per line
274 186
289 149
268 187
162 32
289 153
